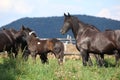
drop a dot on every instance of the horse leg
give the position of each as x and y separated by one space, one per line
44 58
99 60
25 55
15 55
60 59
33 54
84 57
102 59
10 54
15 52
117 56
89 60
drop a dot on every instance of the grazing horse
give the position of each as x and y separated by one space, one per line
8 40
88 40
43 47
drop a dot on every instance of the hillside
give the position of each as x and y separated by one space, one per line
49 27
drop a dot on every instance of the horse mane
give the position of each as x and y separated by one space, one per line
75 24
76 21
108 29
93 27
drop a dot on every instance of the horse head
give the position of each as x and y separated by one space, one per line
67 23
58 50
70 22
26 32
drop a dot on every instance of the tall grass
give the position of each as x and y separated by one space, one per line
17 69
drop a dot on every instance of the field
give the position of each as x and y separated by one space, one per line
72 69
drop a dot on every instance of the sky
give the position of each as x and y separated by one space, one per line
11 10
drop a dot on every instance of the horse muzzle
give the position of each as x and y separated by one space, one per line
62 32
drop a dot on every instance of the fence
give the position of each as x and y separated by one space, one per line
66 40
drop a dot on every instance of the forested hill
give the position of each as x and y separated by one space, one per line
49 27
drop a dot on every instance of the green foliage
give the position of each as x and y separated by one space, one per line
17 69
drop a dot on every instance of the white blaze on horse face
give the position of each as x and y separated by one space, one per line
30 33
38 42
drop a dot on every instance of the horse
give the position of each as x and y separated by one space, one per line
9 40
20 42
117 40
88 40
43 47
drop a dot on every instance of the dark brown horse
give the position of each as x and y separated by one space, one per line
89 40
9 40
43 47
20 42
117 36
117 40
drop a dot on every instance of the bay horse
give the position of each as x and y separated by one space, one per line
88 40
43 47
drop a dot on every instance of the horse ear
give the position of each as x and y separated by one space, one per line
65 15
69 14
3 28
22 27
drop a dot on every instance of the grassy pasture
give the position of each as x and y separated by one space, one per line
17 69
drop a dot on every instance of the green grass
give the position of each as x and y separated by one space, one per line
17 69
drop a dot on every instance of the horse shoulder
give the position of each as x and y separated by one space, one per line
49 44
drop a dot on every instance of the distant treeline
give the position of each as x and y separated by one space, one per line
49 27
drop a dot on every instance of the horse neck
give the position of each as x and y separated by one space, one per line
77 28
75 31
94 28
30 39
16 34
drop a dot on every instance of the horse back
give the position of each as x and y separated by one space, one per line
97 41
6 40
104 41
